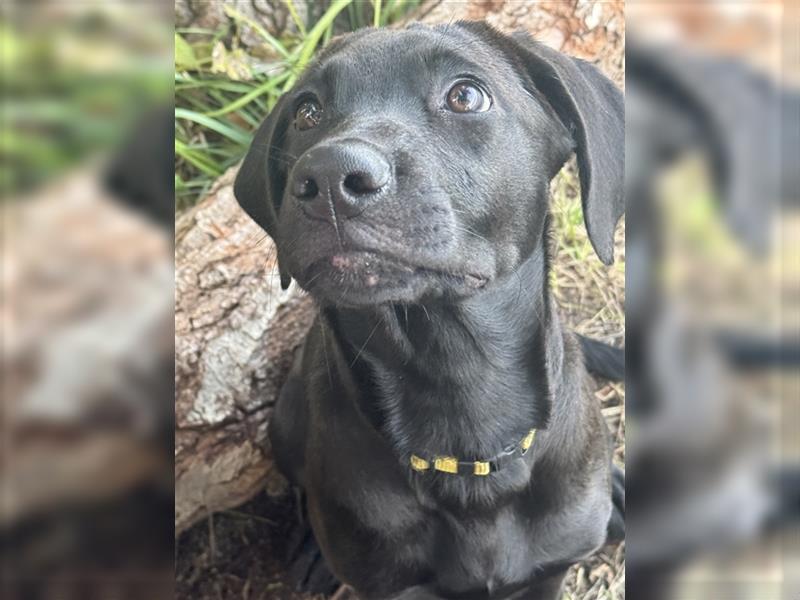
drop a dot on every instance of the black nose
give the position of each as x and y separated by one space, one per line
338 180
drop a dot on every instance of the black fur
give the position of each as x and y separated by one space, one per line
602 359
437 334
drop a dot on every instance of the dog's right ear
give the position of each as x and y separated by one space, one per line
592 110
261 179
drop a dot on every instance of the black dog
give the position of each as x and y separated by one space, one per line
438 418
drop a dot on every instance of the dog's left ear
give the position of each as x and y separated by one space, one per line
261 179
593 110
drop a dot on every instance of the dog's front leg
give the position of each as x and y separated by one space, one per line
287 426
287 434
307 567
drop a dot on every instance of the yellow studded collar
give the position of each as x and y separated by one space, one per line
450 464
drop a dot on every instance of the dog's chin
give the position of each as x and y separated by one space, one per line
357 279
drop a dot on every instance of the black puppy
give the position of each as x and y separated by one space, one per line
438 418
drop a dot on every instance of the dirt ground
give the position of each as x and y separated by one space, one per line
238 554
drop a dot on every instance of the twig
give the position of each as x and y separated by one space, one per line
244 515
339 594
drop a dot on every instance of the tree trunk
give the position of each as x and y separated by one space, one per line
235 336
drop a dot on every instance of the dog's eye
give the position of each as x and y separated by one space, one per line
466 97
308 115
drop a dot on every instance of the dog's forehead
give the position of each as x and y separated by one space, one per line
385 54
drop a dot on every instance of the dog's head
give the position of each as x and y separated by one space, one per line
415 163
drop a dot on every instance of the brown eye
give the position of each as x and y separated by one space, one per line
308 115
466 97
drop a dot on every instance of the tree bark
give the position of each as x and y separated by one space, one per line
235 336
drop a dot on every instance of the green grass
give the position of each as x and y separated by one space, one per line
567 213
223 93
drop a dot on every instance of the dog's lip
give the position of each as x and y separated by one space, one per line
367 263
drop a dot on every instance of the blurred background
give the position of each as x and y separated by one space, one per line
712 157
86 422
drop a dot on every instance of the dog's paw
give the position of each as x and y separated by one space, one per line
308 570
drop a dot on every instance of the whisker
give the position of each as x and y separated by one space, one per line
369 337
314 278
324 346
470 232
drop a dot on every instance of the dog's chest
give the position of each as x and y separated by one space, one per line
402 535
489 553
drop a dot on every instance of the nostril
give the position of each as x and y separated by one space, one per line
306 189
363 183
358 183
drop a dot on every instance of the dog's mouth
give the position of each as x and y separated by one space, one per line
366 277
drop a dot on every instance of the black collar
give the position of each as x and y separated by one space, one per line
453 466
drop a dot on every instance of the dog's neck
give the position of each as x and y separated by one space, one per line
462 378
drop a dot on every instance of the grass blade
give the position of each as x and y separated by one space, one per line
265 87
389 10
314 36
196 159
293 11
232 133
360 19
185 59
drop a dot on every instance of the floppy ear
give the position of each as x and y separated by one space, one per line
593 110
261 179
